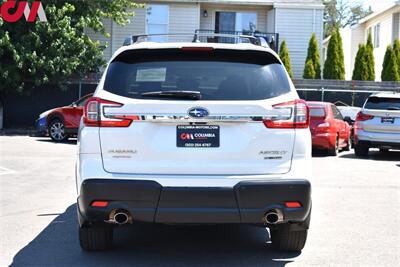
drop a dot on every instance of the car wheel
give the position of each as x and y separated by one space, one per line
95 237
335 150
56 131
348 145
284 239
361 150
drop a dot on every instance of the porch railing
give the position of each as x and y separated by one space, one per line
271 38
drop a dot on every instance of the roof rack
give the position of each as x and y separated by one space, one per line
201 38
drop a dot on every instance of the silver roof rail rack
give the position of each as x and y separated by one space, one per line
201 38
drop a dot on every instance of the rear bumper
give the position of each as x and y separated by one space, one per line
148 201
323 140
378 140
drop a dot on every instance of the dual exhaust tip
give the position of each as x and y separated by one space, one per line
273 216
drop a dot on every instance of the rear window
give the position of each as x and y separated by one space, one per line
317 112
383 103
217 75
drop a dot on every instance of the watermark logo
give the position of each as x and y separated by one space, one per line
12 11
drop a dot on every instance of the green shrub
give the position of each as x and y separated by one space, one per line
313 55
390 71
284 55
334 63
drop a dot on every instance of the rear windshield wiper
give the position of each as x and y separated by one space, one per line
194 95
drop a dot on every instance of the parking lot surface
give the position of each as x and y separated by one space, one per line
355 219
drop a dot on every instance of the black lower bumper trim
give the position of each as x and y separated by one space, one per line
148 201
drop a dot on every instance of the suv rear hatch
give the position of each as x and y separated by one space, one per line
384 114
199 112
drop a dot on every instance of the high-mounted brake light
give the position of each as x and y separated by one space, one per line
197 49
293 115
363 117
93 114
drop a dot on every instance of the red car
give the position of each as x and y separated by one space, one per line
63 122
329 130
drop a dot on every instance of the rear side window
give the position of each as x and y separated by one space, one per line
317 112
383 103
217 75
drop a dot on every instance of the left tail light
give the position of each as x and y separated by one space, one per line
292 115
93 114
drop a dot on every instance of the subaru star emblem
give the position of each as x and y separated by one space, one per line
198 112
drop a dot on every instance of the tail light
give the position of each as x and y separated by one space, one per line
363 117
293 115
323 127
93 114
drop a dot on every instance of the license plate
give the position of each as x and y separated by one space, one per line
387 120
197 136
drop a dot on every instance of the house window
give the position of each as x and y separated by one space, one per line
157 22
246 22
230 22
377 33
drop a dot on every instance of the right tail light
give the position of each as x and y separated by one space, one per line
294 115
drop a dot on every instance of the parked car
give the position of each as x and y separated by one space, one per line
350 114
328 129
194 133
378 124
63 122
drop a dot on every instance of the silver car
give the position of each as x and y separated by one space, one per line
378 124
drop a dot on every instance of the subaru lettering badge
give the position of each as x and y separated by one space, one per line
198 112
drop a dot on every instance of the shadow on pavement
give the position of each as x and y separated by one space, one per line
153 245
71 141
376 155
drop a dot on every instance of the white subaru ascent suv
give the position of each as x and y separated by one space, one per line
194 133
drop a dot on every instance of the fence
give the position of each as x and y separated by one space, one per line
352 93
22 110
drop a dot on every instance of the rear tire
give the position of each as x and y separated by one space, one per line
335 150
348 145
284 239
361 150
95 237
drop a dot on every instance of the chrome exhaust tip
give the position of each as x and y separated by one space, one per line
121 218
274 216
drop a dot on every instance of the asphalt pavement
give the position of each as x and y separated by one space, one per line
355 219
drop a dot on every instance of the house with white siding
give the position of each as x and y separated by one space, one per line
384 26
292 20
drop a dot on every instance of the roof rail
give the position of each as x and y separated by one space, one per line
201 38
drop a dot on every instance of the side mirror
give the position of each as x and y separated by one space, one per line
348 120
74 105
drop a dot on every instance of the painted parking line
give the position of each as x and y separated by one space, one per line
4 171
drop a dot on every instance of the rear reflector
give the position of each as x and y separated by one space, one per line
99 203
293 204
293 115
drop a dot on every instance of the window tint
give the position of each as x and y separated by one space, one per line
317 112
336 113
215 77
383 103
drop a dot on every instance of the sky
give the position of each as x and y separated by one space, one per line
375 4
